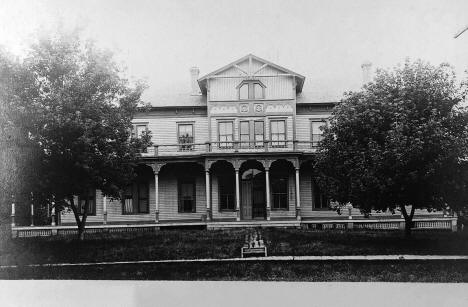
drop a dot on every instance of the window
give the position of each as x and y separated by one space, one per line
251 89
226 134
316 131
244 91
279 188
259 133
320 201
245 134
187 195
91 198
226 188
139 130
278 133
136 198
185 137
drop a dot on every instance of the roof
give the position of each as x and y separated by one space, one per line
317 97
299 78
172 99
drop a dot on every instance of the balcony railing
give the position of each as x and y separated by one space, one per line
183 149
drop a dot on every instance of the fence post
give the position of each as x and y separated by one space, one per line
53 214
454 224
13 214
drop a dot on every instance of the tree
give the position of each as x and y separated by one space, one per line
79 109
400 141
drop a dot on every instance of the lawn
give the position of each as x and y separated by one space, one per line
358 271
194 244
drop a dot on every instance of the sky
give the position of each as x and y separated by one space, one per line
326 41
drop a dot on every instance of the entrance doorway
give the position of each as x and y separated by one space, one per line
253 201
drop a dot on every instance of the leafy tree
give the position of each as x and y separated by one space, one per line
401 141
79 109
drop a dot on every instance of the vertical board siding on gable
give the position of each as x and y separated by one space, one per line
224 89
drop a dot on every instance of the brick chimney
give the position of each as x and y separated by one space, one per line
366 72
194 73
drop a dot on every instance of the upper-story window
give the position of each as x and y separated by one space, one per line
140 129
251 89
226 134
185 136
316 128
278 133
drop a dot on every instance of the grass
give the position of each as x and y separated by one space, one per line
167 244
352 271
302 242
195 244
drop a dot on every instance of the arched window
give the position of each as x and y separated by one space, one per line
251 89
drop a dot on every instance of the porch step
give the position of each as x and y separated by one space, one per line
253 224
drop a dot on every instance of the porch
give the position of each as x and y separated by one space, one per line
385 224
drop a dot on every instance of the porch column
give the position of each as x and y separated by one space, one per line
156 196
32 210
268 202
104 203
298 196
208 195
237 196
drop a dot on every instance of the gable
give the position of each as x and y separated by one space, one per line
251 66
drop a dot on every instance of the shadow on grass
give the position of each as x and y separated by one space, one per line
195 244
349 271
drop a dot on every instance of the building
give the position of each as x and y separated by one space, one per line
237 151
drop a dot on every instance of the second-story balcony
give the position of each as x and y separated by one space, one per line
190 149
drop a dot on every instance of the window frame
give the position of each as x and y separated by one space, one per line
250 89
275 177
324 122
248 144
232 135
180 205
315 188
255 134
221 178
181 146
135 187
135 131
92 193
284 142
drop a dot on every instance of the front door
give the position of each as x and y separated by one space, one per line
253 194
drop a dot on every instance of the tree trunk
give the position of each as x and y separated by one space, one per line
408 219
80 223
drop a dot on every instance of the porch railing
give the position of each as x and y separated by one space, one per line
230 146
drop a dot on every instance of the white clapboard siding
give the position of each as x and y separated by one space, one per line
168 199
69 217
303 132
215 202
164 129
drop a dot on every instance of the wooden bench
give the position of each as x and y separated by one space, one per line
254 245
